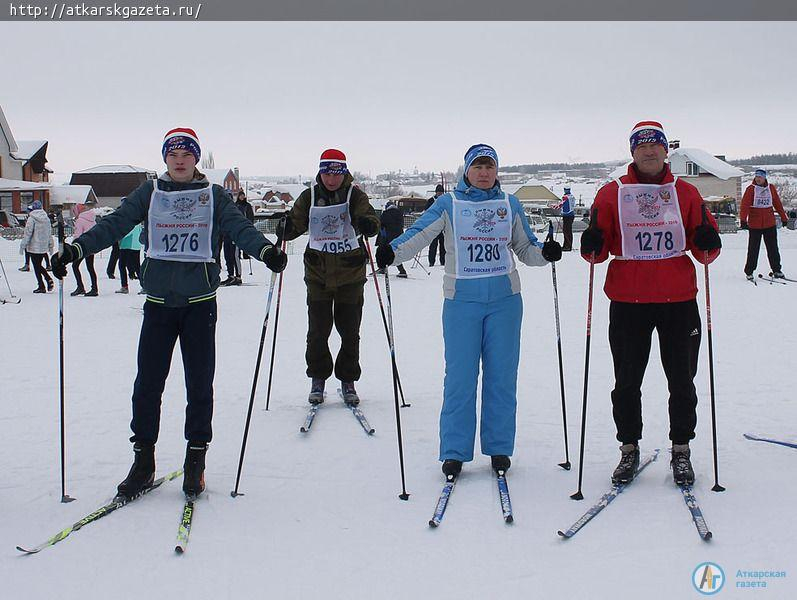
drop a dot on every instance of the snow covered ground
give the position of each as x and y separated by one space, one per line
321 517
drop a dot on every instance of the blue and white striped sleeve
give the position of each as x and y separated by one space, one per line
421 233
525 244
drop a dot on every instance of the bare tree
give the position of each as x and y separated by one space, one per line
208 162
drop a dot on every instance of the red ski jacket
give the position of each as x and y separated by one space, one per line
648 281
761 218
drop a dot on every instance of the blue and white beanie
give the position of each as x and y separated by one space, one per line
760 173
477 151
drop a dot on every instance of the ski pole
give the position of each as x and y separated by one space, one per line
60 228
235 492
565 465
250 265
578 495
403 495
274 341
8 283
384 322
717 487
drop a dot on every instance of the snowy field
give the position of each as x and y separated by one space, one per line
321 517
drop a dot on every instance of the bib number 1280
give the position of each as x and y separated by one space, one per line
647 240
176 242
483 252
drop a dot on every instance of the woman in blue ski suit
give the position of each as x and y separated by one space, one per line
482 310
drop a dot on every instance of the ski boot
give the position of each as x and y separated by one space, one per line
682 472
92 292
142 473
350 397
81 291
194 468
452 467
500 462
778 275
123 290
317 391
629 463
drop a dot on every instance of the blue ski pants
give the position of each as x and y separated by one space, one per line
474 333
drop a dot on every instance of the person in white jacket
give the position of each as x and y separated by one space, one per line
38 241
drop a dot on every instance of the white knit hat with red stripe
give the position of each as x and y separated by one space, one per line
647 132
332 162
181 138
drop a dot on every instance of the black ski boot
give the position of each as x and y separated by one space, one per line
317 391
452 467
142 473
350 397
682 471
629 463
194 468
500 462
80 291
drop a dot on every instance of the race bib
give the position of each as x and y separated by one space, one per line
650 221
179 225
762 197
330 227
482 233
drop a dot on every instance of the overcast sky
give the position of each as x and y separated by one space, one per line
268 97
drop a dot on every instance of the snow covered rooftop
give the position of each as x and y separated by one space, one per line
708 162
16 185
115 169
216 176
27 148
72 194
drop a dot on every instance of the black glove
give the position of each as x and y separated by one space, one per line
743 225
275 259
591 241
284 227
786 222
59 262
706 238
384 256
368 227
552 251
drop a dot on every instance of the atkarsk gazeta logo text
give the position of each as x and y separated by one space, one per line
708 578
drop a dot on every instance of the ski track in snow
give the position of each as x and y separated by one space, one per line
321 516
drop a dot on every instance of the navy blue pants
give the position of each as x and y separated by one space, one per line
195 326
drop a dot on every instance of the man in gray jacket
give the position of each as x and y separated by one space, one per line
183 216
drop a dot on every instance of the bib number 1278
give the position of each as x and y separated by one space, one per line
647 241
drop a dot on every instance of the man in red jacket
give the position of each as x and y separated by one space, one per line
758 202
648 220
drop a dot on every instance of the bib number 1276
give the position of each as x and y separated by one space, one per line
176 242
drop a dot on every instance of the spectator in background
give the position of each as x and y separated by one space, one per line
231 256
760 202
439 241
38 241
129 258
85 219
392 221
112 261
567 208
